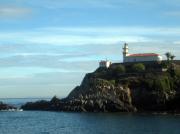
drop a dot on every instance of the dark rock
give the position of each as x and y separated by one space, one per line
6 106
39 105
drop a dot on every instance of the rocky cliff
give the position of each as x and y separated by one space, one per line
93 95
107 90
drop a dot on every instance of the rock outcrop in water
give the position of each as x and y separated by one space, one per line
114 90
6 107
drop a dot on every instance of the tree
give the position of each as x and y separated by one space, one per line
172 66
139 67
120 69
168 55
172 57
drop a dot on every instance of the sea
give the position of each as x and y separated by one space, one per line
44 122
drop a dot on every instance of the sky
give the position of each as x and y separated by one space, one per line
47 46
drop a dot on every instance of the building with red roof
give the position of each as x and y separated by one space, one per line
139 57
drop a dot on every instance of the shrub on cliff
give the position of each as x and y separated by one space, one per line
177 72
163 84
177 79
139 67
119 69
113 82
114 72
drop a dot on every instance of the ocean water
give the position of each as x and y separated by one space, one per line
39 122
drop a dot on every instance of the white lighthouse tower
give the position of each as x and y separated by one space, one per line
125 51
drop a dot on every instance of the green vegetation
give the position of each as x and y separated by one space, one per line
170 57
169 63
146 75
177 72
113 82
164 64
162 83
119 69
139 67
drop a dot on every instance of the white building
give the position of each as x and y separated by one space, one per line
140 57
104 63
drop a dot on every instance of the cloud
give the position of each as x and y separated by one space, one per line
107 35
55 4
172 13
60 47
90 35
62 64
13 11
177 42
83 40
125 30
86 35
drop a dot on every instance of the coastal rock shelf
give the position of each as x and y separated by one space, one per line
114 90
6 107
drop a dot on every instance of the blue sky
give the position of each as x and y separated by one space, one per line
47 46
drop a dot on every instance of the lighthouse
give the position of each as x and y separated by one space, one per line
125 51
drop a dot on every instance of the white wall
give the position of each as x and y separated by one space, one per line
141 58
105 64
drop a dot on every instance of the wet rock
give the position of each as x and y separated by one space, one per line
6 107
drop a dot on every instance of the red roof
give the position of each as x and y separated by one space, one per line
144 54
